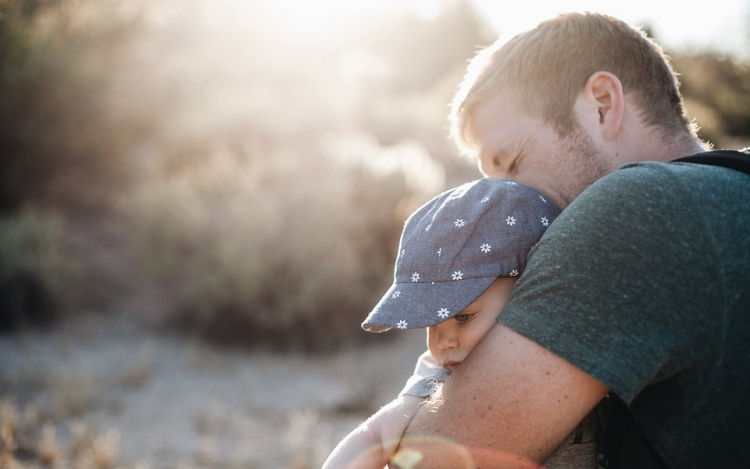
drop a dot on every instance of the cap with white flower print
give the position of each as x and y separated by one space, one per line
453 247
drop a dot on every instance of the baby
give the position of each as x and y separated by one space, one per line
458 260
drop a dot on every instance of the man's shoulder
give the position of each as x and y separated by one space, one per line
651 200
642 174
658 184
638 186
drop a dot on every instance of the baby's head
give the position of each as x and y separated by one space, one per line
458 258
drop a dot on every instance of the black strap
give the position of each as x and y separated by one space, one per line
611 416
737 160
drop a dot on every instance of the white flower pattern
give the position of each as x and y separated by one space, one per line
444 313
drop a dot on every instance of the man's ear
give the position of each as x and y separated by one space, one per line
606 102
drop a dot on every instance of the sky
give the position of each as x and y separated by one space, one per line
723 25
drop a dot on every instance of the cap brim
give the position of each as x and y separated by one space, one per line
421 304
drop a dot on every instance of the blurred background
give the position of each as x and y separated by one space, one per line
221 184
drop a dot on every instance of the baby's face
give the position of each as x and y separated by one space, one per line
451 340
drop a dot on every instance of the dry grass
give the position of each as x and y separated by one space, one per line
211 419
301 438
142 369
9 420
115 400
50 453
87 448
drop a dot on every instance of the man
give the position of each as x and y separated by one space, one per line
638 290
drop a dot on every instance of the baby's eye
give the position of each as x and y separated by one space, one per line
464 317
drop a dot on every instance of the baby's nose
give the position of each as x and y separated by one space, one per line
447 339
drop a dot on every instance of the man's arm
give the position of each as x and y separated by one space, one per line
509 405
373 442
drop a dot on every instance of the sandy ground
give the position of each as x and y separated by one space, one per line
154 401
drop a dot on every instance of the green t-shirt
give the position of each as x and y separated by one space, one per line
644 283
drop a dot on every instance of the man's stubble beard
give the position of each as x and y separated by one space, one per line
584 164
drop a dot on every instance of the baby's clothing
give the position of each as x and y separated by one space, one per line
427 374
578 451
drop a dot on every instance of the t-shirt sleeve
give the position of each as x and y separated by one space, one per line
427 374
614 287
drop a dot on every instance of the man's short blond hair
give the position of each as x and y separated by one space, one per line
549 65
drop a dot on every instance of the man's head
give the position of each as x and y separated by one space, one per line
544 72
549 65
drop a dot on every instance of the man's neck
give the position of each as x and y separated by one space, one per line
654 147
684 146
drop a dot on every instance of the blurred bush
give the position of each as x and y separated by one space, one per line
268 255
717 94
37 273
258 175
62 139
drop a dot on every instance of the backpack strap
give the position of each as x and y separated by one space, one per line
610 413
737 160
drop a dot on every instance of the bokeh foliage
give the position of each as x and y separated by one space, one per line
717 92
257 175
259 180
39 277
61 139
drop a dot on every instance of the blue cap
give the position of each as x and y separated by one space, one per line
457 244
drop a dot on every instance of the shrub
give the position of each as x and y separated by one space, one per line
63 136
37 274
264 254
717 94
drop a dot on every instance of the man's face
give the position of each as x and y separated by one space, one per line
510 143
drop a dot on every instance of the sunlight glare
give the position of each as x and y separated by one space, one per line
321 15
721 24
427 10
